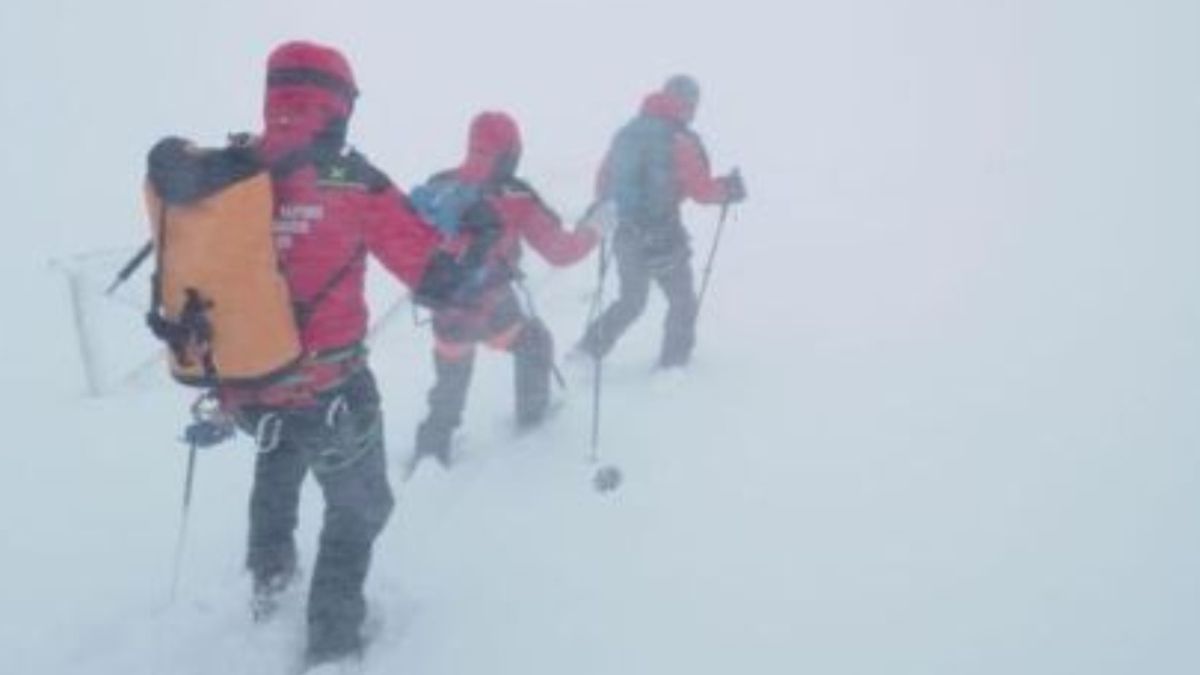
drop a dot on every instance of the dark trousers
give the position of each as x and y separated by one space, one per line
532 349
667 263
341 440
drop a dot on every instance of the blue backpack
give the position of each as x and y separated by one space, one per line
444 201
643 181
455 207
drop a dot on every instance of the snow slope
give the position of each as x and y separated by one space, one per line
943 413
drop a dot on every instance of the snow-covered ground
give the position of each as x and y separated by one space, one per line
943 416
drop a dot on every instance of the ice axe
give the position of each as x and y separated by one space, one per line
130 267
209 427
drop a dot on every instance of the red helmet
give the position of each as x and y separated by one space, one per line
310 89
319 69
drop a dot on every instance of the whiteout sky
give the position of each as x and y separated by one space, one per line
964 292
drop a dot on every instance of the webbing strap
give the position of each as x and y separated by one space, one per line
305 309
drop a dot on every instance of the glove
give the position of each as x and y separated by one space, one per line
601 217
735 188
441 279
211 424
207 433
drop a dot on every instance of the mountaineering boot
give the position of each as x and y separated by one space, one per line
673 360
447 398
265 597
433 440
344 664
345 657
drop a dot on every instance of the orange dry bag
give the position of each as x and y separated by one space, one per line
219 300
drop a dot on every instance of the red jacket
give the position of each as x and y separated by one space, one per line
523 216
328 215
493 148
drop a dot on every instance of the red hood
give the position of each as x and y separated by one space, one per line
667 106
494 139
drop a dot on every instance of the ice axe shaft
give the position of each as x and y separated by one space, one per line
130 267
183 522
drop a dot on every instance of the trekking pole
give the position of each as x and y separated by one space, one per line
597 304
183 523
131 266
388 316
529 304
712 254
607 478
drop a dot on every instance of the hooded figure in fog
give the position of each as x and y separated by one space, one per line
653 164
503 212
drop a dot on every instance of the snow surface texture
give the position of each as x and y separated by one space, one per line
943 416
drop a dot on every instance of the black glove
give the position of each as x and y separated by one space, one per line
735 188
442 278
211 423
207 433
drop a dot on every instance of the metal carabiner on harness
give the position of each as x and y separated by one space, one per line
268 432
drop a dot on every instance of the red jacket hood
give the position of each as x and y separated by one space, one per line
494 137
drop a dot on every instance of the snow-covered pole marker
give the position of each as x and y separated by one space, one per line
606 478
91 368
82 290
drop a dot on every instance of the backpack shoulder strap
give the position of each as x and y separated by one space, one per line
304 309
520 188
352 170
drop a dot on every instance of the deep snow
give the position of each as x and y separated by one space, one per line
943 413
